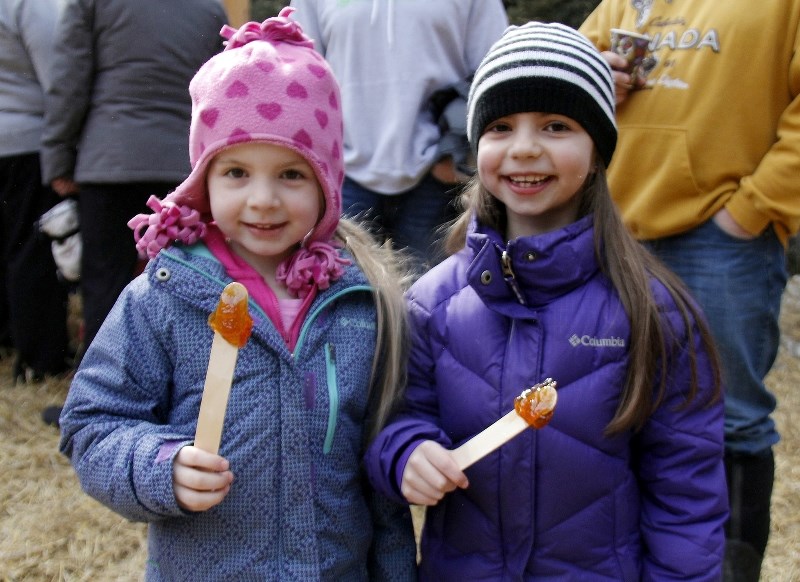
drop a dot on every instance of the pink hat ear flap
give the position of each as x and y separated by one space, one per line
171 221
314 266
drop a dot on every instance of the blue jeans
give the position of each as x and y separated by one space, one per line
739 284
412 219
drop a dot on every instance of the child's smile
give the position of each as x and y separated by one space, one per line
270 229
535 163
527 182
265 198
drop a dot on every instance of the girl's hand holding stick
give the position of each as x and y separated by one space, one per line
429 473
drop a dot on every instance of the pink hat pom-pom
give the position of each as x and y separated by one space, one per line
317 265
277 28
170 222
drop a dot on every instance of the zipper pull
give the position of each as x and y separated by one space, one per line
508 275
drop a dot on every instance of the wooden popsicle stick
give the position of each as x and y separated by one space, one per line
232 325
219 377
532 408
489 439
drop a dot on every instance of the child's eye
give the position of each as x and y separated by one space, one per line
235 173
293 174
499 126
561 124
558 127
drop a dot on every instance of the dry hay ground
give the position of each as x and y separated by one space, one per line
51 531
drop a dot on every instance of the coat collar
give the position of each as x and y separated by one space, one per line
544 266
177 268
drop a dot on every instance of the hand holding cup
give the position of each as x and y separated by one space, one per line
635 49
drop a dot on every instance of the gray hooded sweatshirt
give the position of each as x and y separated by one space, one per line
389 58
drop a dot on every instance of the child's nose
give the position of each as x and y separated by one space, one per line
264 195
526 144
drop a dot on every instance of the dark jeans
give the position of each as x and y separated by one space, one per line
35 299
412 219
109 260
739 284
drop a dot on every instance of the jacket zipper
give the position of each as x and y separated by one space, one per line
333 396
330 365
510 278
330 353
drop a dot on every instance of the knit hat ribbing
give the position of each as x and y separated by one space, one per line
548 68
268 85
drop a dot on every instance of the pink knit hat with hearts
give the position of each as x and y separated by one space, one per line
268 85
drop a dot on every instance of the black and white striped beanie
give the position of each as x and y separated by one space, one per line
548 68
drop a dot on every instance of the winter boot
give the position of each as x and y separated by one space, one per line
750 479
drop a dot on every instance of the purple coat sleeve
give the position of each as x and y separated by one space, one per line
386 457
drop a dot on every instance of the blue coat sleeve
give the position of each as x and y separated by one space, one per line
682 475
114 423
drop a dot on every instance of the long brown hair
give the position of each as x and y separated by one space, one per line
630 269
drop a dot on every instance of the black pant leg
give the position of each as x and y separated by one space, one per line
109 257
36 298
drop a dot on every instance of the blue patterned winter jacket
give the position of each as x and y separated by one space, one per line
564 502
299 507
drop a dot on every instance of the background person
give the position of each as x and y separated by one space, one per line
707 175
117 123
32 295
391 58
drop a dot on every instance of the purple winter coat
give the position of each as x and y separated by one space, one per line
563 502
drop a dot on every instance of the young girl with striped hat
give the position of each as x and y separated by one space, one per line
543 281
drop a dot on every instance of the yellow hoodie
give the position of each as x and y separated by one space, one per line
718 124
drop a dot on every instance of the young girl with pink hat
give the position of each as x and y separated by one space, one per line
320 373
